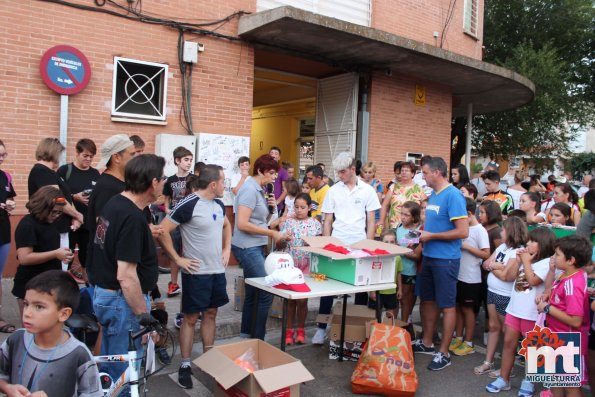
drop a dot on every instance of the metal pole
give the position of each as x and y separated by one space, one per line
63 125
468 141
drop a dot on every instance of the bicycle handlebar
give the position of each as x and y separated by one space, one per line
148 324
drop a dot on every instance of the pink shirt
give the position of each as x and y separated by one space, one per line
570 295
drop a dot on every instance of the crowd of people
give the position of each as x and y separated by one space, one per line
469 238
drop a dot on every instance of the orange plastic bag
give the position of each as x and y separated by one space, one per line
386 366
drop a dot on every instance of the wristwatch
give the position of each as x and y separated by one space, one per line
546 309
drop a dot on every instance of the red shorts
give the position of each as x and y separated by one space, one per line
521 325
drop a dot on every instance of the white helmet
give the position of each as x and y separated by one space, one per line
277 260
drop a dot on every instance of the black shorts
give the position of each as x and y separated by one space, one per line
591 332
468 294
203 291
387 301
409 280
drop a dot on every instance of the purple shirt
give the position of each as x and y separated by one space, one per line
282 177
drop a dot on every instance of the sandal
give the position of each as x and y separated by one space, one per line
7 328
485 367
495 374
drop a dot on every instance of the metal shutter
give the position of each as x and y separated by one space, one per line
336 118
354 11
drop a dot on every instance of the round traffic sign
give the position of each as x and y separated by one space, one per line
65 69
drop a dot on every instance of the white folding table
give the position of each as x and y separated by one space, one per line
318 289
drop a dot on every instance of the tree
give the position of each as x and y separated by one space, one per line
551 42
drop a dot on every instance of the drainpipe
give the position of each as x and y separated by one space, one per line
468 141
363 121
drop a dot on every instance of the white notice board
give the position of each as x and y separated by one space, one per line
223 150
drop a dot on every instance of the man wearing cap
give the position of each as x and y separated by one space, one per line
206 246
349 210
116 151
124 251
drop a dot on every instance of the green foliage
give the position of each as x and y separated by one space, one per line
551 43
582 163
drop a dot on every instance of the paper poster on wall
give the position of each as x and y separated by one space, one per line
223 150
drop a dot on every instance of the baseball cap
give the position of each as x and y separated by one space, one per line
494 165
114 144
290 278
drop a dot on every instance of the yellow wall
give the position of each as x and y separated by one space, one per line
277 125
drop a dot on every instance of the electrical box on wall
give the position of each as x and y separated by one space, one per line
190 52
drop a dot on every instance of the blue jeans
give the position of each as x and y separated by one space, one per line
3 256
116 319
252 261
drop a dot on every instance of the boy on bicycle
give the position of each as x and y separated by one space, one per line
44 359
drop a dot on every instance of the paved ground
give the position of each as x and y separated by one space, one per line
332 377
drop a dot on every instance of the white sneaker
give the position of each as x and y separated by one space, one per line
319 336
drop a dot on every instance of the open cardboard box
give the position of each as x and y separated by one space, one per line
376 269
280 374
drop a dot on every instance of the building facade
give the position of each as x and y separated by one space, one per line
379 78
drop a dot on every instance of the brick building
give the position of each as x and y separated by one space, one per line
380 78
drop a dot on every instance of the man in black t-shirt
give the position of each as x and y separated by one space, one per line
116 151
81 178
125 256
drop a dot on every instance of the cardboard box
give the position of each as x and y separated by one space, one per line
351 350
355 322
276 309
280 375
376 269
239 292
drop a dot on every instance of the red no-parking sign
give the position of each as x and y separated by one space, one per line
65 69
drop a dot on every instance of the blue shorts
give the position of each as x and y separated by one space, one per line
438 281
203 291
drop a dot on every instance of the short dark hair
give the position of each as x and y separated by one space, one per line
471 205
43 201
577 247
471 189
275 148
438 164
424 159
86 144
243 159
493 211
518 214
491 175
199 166
409 164
137 141
141 170
265 163
397 166
590 200
58 284
210 173
315 170
181 152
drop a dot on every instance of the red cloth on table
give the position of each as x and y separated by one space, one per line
336 248
375 252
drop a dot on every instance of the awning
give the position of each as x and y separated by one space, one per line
488 87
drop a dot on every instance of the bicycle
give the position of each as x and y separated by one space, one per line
82 323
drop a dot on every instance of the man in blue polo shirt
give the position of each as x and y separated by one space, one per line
445 227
